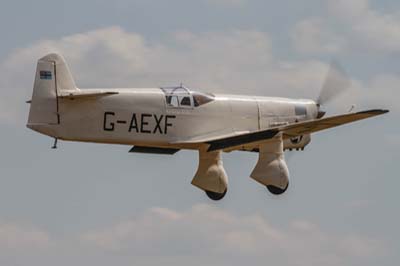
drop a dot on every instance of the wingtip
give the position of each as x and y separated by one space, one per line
381 111
375 111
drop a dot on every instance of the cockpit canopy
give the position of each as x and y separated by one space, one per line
182 97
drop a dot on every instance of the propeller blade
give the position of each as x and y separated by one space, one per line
335 83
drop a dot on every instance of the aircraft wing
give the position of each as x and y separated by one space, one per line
291 130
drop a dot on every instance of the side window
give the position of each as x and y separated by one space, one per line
172 100
201 98
185 101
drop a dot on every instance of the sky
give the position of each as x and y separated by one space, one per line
93 204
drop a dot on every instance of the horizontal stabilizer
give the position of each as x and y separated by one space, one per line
153 150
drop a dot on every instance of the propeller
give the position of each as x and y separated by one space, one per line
335 83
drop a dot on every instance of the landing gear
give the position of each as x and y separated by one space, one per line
216 196
276 190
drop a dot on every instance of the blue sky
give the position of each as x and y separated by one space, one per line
91 204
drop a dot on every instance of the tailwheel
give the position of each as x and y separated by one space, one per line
276 190
215 195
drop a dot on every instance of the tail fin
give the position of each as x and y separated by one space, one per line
52 77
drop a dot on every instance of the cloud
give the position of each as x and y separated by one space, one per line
209 232
348 26
314 36
361 247
19 237
203 234
371 28
22 244
114 57
311 37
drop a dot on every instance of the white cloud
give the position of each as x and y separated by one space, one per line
348 26
312 37
210 232
201 235
361 247
114 57
373 29
22 237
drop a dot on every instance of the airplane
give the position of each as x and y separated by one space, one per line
168 119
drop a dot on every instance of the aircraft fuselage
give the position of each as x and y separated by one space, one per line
143 117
